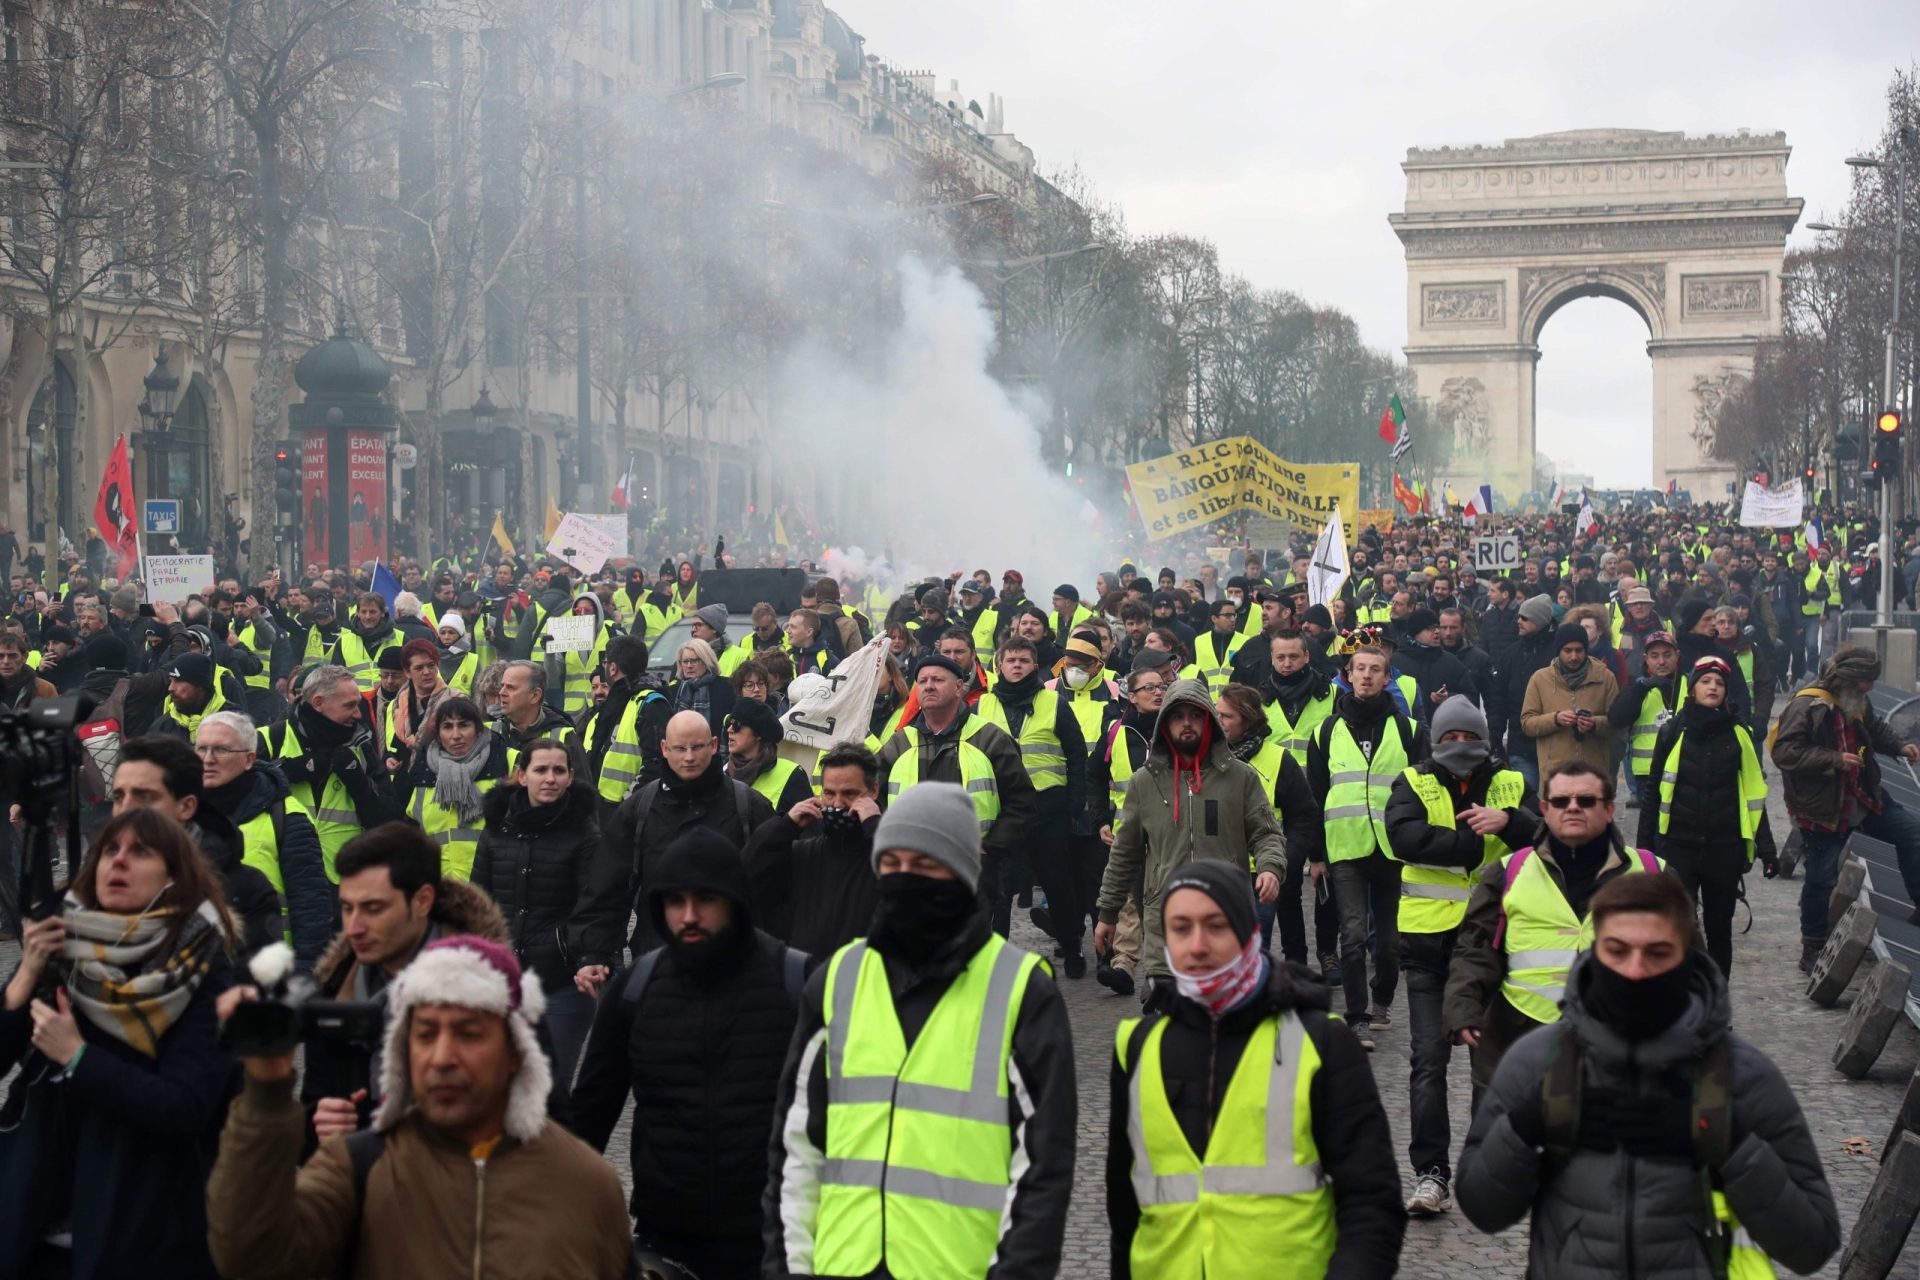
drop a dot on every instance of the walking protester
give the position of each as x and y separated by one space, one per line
1644 706
1531 651
330 761
1827 746
1710 819
415 702
535 860
445 786
926 1121
1638 1132
1189 799
115 1106
463 1172
1565 710
1747 652
699 686
525 715
1284 783
1212 1170
754 736
1110 771
1354 758
808 867
1449 818
1511 957
696 1033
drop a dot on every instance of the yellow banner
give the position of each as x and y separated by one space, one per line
1381 518
1191 488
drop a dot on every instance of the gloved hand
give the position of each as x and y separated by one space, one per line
1656 1124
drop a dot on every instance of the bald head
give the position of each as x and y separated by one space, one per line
689 744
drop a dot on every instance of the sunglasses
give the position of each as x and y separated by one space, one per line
1584 801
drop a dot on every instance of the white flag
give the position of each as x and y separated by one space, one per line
1327 572
1586 521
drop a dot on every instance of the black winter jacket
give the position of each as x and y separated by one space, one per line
1500 632
250 894
821 882
1528 655
312 903
1042 1110
700 1051
534 860
1704 824
1417 840
1198 1057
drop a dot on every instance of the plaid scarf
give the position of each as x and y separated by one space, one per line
121 981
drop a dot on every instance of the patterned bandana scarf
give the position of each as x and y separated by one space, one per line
1223 989
121 981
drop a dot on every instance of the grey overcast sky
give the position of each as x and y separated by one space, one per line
1277 130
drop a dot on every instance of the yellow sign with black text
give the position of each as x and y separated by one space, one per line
1191 488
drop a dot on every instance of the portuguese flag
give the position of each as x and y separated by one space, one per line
1390 420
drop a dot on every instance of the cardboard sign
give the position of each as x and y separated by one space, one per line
1764 508
580 542
615 527
1498 555
571 634
171 579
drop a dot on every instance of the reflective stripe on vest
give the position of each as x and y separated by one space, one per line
1745 1259
1654 713
1119 772
1358 790
1812 605
355 657
1753 787
918 1167
1041 753
983 628
1541 935
335 820
1296 736
442 823
1434 899
246 640
976 772
1089 711
1216 668
261 851
1258 1193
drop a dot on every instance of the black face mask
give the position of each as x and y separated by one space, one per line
841 822
916 914
1638 1010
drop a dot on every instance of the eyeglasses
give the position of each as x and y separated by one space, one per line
205 750
1155 687
1585 801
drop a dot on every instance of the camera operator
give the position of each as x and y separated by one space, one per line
106 1133
462 1160
393 902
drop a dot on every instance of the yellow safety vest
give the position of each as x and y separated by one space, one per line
216 701
1744 661
1258 1192
442 823
1813 592
246 638
1119 771
1358 790
1654 712
1216 668
335 820
919 1150
356 659
1745 1259
576 692
260 849
1089 711
976 771
1434 899
773 781
464 674
1295 736
1080 614
983 628
1039 740
1540 934
1753 787
316 648
620 766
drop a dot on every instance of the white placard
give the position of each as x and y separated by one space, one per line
571 634
580 542
615 527
1496 555
1764 508
171 579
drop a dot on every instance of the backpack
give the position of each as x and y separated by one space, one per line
793 971
101 737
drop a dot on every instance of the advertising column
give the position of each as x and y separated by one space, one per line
316 497
366 496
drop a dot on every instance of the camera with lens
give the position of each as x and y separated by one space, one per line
40 772
291 1009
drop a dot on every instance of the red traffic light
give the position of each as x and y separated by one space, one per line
281 455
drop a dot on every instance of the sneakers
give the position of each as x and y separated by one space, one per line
1330 969
1364 1034
1382 1016
1118 981
1431 1195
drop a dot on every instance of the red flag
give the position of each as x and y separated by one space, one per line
1390 422
113 509
1404 496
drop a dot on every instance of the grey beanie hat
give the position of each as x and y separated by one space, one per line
714 615
937 819
1537 610
1457 713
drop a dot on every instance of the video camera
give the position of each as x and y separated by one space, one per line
292 1010
40 772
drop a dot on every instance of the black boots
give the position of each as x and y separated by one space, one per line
1810 949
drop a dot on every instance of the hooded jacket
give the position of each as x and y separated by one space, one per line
1198 1057
311 904
1042 1111
1180 809
1609 1213
1804 748
700 1052
535 861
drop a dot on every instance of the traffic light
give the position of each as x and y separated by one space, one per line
286 481
1886 441
1809 473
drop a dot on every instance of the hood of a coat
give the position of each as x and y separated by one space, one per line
1192 693
701 858
1708 1019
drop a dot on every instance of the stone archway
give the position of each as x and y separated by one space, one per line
1689 232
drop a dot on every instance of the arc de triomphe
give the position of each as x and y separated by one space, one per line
1689 232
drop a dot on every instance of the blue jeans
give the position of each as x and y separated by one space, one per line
1424 958
1528 769
1810 641
1898 826
569 1017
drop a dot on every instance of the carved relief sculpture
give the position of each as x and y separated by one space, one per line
1726 295
1444 304
1709 395
1463 408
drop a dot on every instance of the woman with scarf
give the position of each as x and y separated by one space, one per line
444 787
542 831
416 700
1190 1082
1709 819
702 688
1565 708
109 1128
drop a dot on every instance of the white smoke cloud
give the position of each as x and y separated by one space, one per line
950 462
